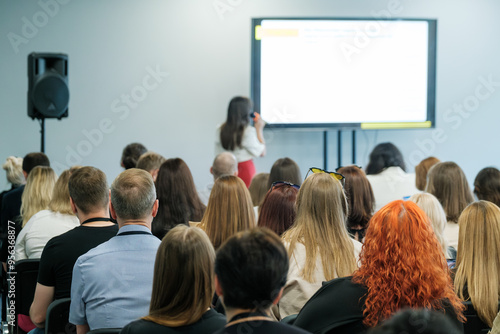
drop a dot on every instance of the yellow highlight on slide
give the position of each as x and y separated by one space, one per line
260 32
396 125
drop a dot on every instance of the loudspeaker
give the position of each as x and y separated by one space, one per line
48 92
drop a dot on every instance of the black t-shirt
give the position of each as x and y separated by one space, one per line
60 254
210 322
337 307
261 327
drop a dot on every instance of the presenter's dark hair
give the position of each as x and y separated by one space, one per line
285 169
238 117
420 321
179 200
487 185
131 154
384 155
251 267
31 160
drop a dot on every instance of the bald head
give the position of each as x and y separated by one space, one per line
224 164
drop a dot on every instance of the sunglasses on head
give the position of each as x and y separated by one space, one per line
284 183
335 175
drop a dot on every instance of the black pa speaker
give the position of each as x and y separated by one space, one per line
48 92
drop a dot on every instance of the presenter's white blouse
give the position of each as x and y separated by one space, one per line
250 148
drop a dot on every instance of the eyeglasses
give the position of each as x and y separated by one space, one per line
282 183
335 175
337 169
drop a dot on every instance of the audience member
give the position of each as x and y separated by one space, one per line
386 172
402 265
150 162
477 275
434 211
179 200
14 171
11 202
420 321
45 224
251 269
131 154
237 136
487 185
229 210
38 192
360 198
496 325
318 244
258 188
183 286
111 284
448 183
284 169
278 210
89 198
224 164
421 171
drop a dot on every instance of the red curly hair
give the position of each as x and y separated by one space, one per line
403 265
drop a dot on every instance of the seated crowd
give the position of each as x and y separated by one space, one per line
375 250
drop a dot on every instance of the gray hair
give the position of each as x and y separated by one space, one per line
133 194
224 164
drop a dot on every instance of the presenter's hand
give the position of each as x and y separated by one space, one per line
259 124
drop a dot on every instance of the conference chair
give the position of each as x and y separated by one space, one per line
473 325
56 320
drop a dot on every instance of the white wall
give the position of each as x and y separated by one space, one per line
204 57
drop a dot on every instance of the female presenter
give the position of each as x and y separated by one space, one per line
237 136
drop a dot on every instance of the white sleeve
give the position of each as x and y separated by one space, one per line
251 143
20 250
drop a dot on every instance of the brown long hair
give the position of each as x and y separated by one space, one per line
277 212
402 265
179 200
284 169
183 281
229 210
448 183
320 226
421 171
478 259
258 188
360 196
238 117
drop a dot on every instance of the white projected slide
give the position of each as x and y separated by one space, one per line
343 71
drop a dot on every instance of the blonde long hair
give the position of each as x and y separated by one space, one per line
183 282
478 259
13 167
435 212
229 210
60 195
38 192
321 226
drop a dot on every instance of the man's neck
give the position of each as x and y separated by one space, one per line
232 312
127 222
98 214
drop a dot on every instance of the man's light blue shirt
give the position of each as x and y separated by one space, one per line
112 283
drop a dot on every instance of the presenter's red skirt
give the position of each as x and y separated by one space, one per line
246 171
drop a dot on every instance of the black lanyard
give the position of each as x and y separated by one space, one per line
98 219
133 232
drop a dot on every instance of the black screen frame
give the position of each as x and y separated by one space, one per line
431 76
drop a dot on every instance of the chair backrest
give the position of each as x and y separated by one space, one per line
105 331
25 276
289 319
57 317
474 324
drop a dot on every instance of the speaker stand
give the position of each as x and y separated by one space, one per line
42 132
